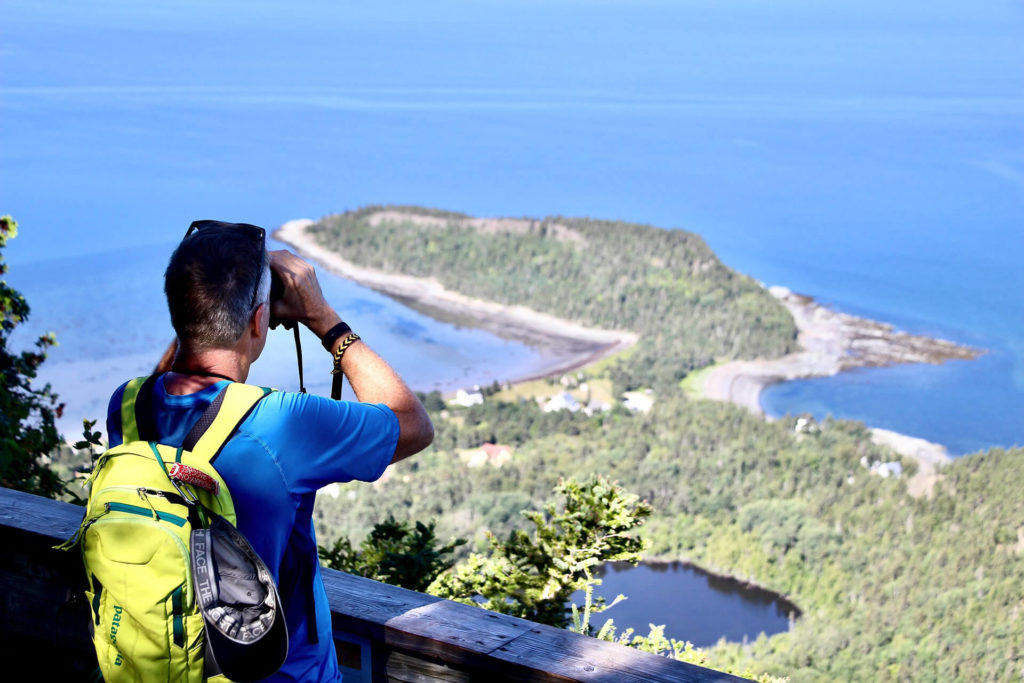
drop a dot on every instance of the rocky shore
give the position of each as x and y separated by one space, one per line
832 342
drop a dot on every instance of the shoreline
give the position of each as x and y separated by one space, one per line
719 573
830 342
833 342
572 347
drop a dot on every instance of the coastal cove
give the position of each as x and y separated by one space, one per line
830 342
834 343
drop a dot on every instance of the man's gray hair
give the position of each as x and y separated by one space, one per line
209 285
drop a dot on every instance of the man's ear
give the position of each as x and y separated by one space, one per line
260 320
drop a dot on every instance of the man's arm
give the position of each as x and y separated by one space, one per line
372 379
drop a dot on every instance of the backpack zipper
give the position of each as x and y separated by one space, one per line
77 536
169 496
145 512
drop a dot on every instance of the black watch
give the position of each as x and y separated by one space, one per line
334 334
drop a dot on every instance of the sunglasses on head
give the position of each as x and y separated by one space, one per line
258 236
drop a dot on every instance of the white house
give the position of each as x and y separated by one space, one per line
562 401
468 398
638 401
495 455
887 469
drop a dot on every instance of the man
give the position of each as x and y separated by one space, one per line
218 290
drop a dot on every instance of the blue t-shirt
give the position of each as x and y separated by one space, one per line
287 448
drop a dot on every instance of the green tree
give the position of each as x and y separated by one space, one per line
395 552
534 575
28 433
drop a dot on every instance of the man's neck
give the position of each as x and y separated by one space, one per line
192 372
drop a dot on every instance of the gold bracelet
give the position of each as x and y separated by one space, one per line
340 351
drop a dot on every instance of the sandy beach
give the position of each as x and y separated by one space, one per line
831 342
570 345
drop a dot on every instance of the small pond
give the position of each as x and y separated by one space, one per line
693 604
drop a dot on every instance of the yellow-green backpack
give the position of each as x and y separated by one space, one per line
144 500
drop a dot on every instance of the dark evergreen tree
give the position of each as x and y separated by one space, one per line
28 434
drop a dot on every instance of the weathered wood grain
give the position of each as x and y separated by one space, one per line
38 516
403 668
567 656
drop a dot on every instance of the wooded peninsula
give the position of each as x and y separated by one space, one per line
894 582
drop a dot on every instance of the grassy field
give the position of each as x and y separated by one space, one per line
693 384
584 391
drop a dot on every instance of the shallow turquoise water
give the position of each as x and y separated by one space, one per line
117 327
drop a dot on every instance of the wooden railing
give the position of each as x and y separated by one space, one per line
382 633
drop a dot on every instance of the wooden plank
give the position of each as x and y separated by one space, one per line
363 606
413 633
403 668
568 656
461 635
452 623
39 615
51 519
424 625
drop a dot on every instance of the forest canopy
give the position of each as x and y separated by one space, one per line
668 286
891 586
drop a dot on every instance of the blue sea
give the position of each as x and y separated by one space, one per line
867 153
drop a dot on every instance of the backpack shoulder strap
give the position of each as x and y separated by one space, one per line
225 413
137 419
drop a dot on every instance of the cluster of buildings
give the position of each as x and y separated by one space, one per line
893 468
574 397
885 470
496 455
636 401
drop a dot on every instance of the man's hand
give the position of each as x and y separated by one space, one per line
303 301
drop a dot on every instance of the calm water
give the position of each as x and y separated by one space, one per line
117 327
693 605
867 153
